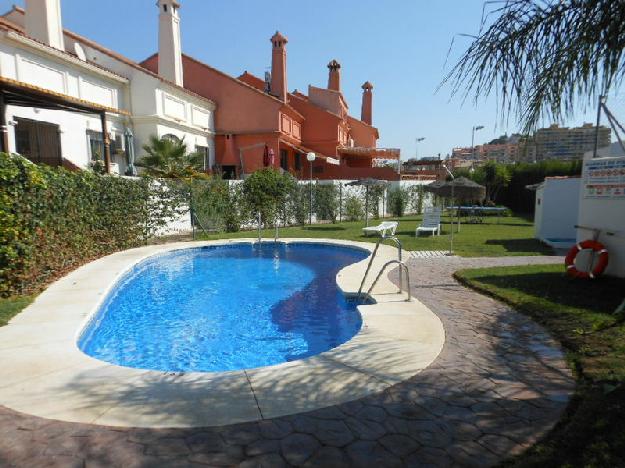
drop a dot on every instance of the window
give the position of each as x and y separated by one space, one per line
205 152
96 144
284 159
298 161
38 141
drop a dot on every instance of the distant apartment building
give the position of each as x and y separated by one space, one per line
504 149
557 142
554 142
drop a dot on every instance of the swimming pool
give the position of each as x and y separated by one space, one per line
226 307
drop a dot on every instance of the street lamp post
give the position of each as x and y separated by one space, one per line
475 129
416 152
451 224
311 158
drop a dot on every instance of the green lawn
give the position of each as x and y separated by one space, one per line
506 236
9 307
580 315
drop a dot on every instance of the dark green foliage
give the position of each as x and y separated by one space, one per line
353 208
210 200
376 192
52 220
266 192
505 183
397 201
168 158
299 204
326 202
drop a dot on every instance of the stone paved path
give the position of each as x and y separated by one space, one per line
498 385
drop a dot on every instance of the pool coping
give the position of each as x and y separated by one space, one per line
45 374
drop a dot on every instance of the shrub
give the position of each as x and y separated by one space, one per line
326 202
397 201
416 196
298 208
506 183
52 220
373 199
353 208
266 191
169 158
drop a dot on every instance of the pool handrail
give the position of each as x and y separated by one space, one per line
403 266
373 255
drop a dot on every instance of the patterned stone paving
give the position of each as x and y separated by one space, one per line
428 253
499 384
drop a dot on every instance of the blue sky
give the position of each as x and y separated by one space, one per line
399 45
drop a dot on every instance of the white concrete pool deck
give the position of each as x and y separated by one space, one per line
43 372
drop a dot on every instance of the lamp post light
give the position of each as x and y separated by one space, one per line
311 158
416 152
475 129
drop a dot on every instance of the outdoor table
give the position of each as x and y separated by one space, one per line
476 212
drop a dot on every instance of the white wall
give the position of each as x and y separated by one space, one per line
557 206
26 61
606 212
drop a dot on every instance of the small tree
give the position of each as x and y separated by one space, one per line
397 201
326 203
168 158
266 191
353 208
494 176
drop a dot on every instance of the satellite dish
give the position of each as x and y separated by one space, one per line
80 52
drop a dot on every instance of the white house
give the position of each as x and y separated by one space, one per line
556 210
60 88
602 204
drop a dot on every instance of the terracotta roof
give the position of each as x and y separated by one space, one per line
384 153
110 53
253 80
242 83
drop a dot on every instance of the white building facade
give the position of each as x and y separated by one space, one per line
89 84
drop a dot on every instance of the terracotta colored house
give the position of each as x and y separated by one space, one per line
256 115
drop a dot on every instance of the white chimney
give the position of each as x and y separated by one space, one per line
169 45
43 22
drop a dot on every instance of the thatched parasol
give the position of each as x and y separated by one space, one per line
461 189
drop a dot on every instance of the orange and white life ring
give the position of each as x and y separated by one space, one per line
599 268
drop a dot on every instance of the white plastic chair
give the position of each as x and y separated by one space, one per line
381 229
431 222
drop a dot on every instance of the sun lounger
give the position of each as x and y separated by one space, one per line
384 229
431 222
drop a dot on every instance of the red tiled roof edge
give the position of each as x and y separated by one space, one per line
242 83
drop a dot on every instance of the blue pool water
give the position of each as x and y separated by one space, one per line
227 307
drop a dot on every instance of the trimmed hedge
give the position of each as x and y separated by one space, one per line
52 220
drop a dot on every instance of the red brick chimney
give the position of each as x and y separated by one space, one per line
366 114
278 66
334 77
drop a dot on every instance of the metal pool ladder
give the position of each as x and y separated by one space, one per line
402 267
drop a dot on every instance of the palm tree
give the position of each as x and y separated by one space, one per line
543 58
168 158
